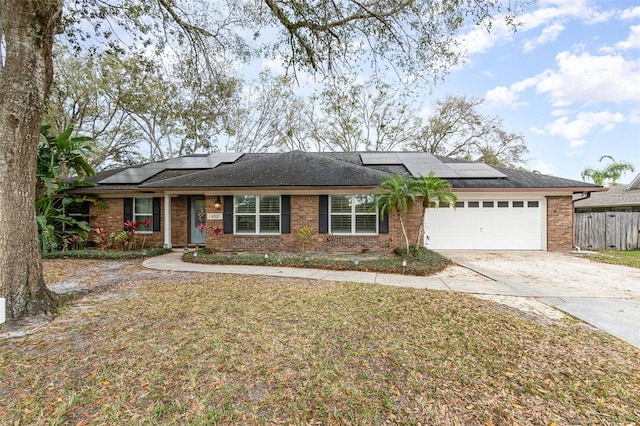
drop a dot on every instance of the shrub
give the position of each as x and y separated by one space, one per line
112 255
420 262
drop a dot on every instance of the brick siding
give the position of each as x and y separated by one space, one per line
560 224
179 220
113 221
304 212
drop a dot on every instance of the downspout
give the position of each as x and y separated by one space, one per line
586 195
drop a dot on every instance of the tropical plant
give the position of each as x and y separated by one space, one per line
102 239
396 194
58 158
432 189
610 174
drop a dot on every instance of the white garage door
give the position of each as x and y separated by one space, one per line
487 224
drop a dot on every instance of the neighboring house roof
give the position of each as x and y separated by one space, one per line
322 169
616 196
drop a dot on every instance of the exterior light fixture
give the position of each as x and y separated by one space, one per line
217 204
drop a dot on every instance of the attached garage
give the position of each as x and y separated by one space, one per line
506 223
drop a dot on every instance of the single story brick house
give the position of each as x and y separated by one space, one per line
259 201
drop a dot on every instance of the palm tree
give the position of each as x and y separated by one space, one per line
611 172
396 194
431 189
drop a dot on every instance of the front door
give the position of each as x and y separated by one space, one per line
198 218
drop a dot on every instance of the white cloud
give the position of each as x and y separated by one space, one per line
554 10
630 13
575 131
591 79
632 42
549 15
548 35
542 167
559 112
480 40
508 96
580 78
501 96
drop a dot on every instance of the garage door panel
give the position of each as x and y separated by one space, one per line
517 228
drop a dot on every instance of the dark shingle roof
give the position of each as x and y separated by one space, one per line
324 169
288 169
521 179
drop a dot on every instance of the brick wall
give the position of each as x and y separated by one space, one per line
113 221
304 212
560 224
179 220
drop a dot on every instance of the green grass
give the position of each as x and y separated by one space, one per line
99 254
626 258
419 262
204 349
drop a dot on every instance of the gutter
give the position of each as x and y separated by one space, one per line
586 195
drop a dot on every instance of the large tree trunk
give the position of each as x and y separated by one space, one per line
29 27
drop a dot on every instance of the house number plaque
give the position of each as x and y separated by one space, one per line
214 216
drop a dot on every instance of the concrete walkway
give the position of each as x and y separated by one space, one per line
618 317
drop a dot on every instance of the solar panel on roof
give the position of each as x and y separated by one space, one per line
378 158
136 175
423 163
475 170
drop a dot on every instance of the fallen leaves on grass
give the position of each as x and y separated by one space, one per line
203 349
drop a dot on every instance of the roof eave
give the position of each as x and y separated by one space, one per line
538 189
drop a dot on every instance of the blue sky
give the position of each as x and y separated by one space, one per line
568 79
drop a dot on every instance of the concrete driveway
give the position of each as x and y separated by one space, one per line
606 296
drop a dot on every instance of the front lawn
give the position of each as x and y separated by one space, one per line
616 257
162 347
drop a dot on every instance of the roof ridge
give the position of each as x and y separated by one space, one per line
635 183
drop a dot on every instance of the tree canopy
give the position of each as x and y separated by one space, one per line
458 129
414 38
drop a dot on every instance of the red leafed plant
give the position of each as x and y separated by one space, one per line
202 227
131 226
102 238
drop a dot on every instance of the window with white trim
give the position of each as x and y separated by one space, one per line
257 214
143 210
353 214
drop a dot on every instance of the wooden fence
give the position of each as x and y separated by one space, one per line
607 231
